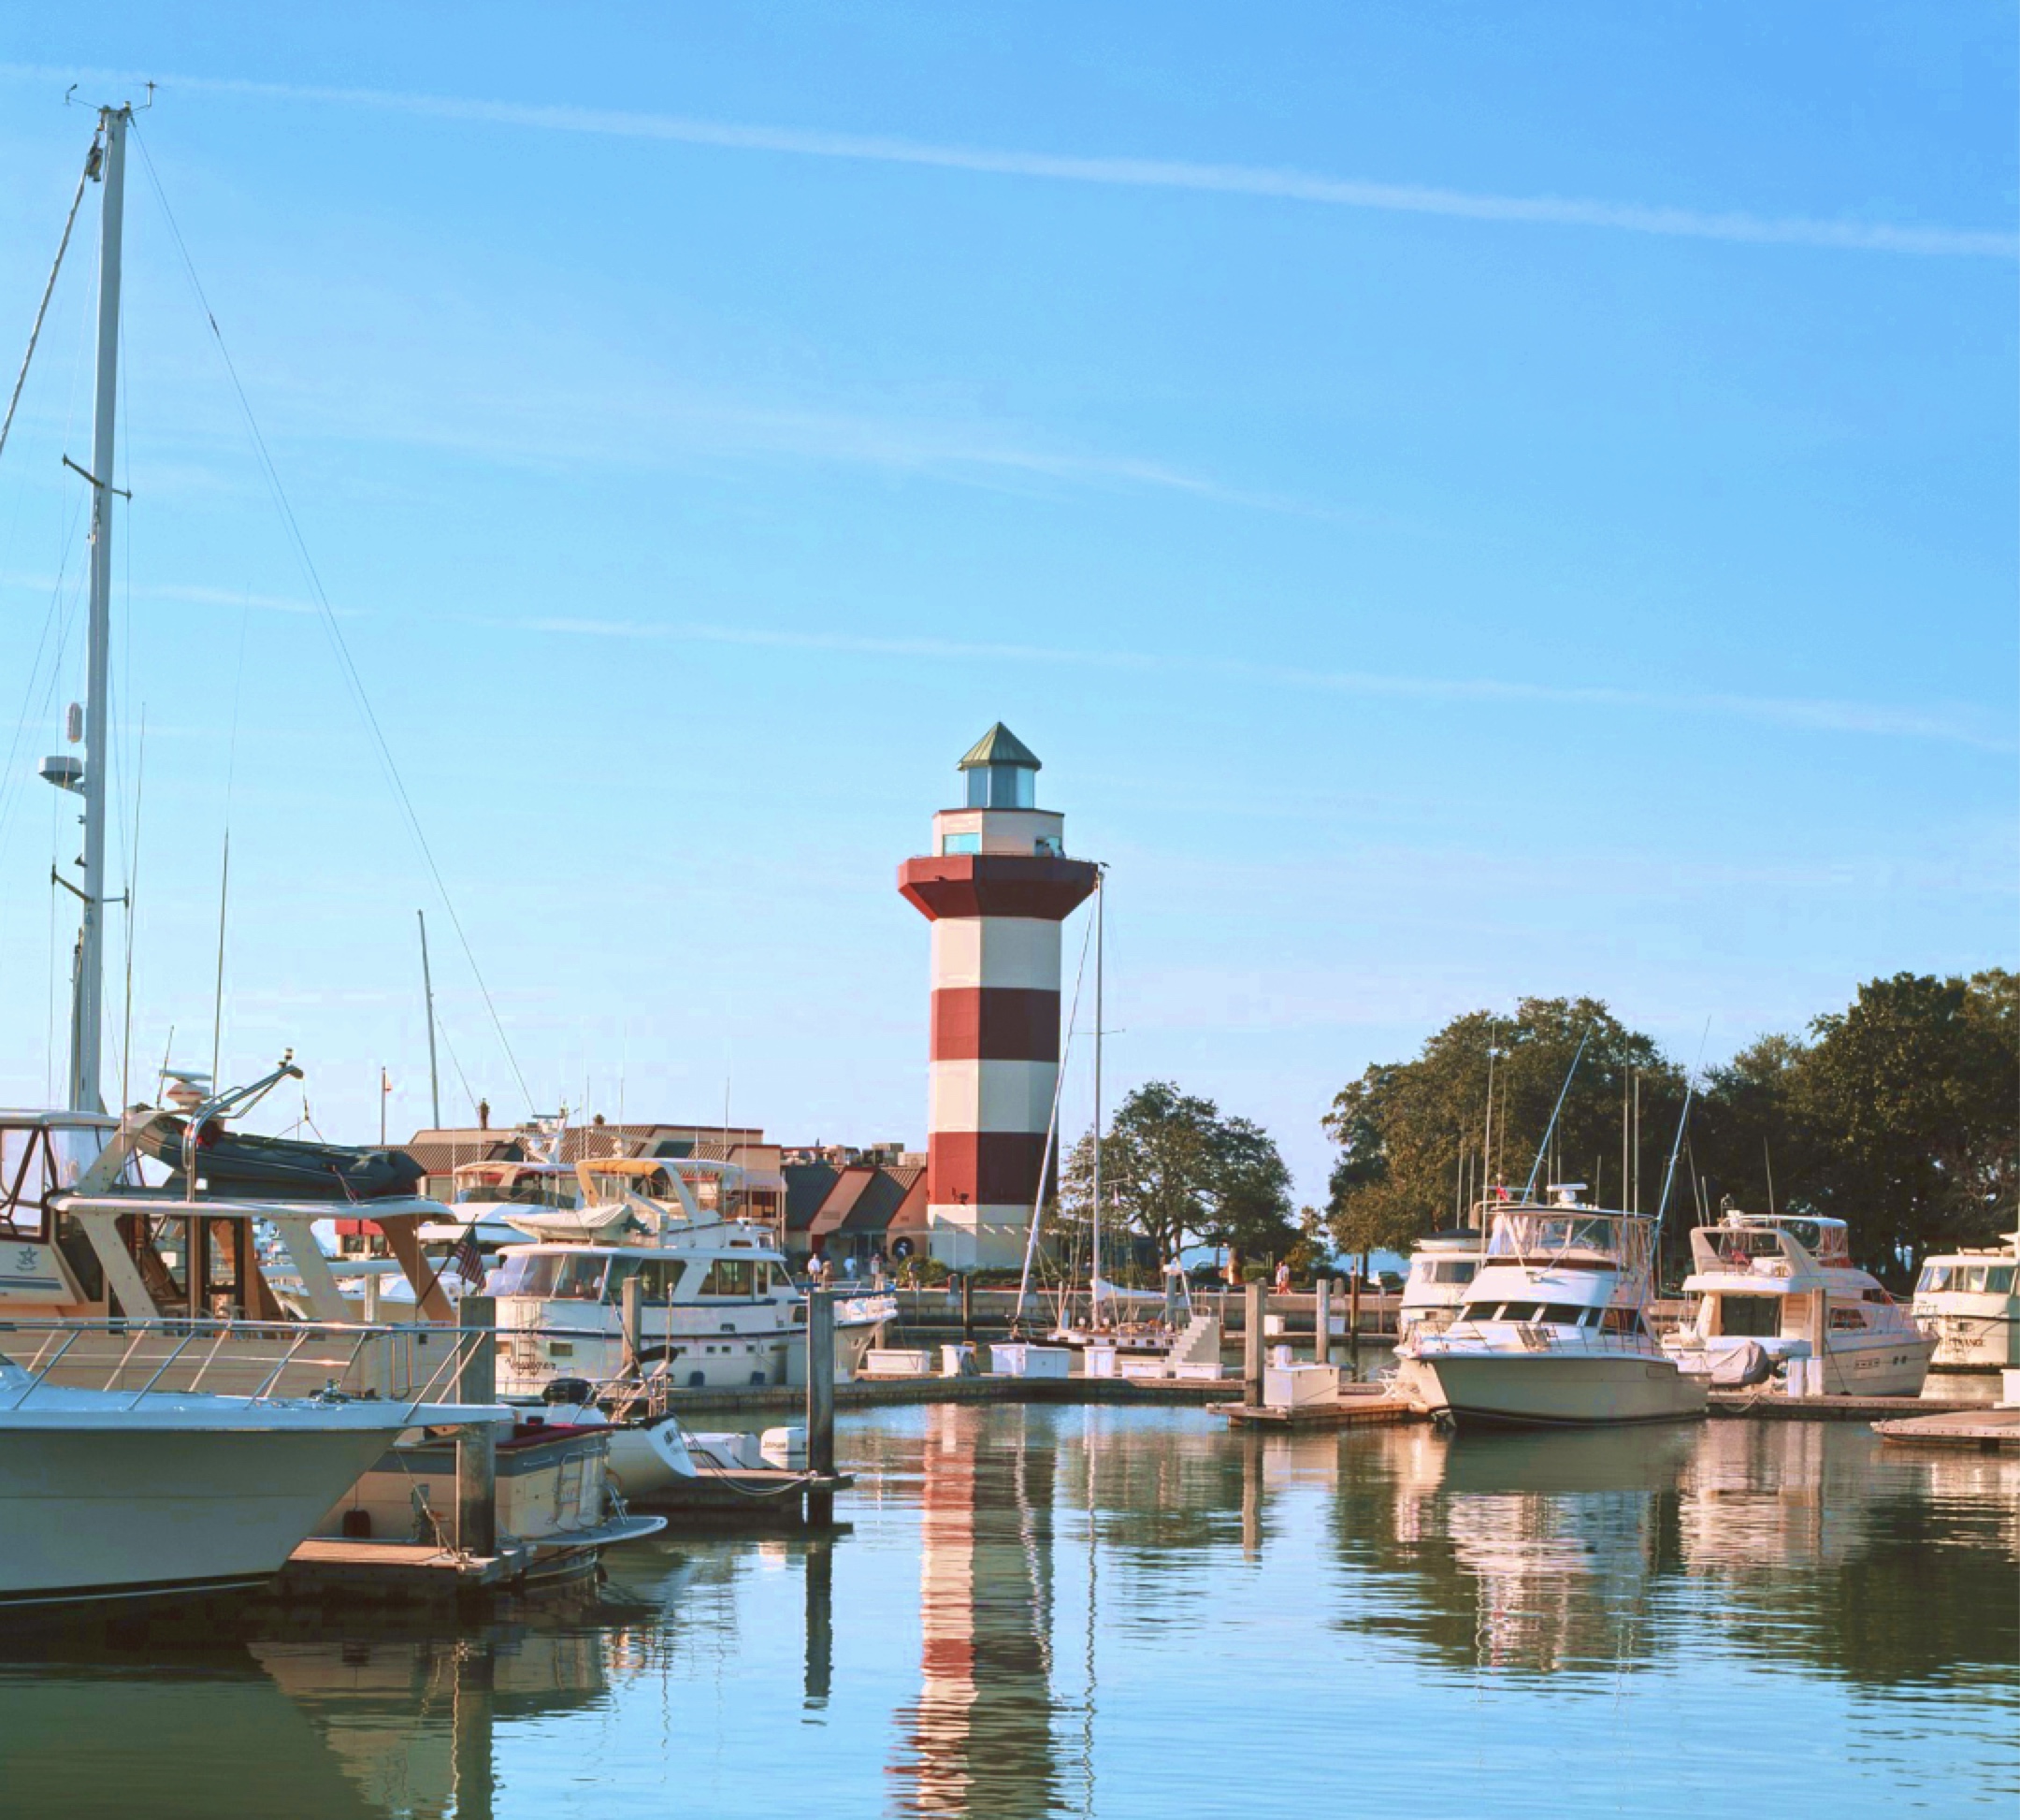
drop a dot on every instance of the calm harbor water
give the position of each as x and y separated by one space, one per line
1116 1612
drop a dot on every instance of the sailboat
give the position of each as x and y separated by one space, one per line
88 1233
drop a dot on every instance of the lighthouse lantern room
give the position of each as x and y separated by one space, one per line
995 888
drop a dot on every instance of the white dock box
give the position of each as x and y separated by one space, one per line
896 1361
957 1361
1099 1361
1019 1359
1299 1386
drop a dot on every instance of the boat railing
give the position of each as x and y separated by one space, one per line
1543 1337
260 1361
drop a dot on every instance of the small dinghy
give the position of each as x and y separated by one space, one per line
247 1166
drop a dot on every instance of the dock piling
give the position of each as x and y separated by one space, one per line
633 1317
1323 1321
1252 1352
476 1448
820 1403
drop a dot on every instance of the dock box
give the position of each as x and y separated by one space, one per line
1140 1367
1299 1386
957 1361
1018 1360
896 1362
1099 1362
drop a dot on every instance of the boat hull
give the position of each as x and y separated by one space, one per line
1552 1390
96 1516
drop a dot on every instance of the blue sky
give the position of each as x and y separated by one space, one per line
1466 501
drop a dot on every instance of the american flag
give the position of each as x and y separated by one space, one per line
467 1259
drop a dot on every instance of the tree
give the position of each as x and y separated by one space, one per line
1181 1173
1909 1098
1412 1134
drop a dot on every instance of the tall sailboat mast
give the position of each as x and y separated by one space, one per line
1099 929
87 1000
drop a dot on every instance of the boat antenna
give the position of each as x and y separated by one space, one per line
1493 1028
1662 1206
1529 1187
427 994
1767 1158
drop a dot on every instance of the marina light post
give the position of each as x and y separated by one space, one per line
996 887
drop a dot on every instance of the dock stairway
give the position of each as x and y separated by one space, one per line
1198 1344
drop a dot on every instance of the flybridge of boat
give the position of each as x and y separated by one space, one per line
1565 1233
1766 1241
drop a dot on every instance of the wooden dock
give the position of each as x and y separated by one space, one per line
1772 1405
1985 1429
325 1569
877 1393
1351 1409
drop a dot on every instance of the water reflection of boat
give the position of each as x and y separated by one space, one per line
86 1731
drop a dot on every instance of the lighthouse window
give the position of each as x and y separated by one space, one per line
970 843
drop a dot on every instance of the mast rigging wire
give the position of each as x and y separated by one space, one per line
91 165
347 666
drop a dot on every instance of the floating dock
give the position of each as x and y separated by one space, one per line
1773 1406
1983 1429
1351 1409
326 1570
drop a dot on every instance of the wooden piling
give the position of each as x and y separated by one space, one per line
1252 1352
967 1283
1354 1317
476 1448
820 1403
1323 1321
633 1317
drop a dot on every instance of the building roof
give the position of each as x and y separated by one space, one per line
998 746
806 1192
441 1152
883 1195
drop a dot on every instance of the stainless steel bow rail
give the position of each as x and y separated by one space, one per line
104 1354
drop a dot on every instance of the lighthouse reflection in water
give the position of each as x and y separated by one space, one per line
1114 1613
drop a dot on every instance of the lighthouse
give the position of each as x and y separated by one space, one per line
996 887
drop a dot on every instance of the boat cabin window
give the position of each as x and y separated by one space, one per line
731 1277
1623 1320
1749 1317
658 1278
1445 1270
1845 1319
1934 1277
2000 1278
27 1173
554 1276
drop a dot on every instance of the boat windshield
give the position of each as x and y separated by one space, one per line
552 1276
1529 1235
1968 1279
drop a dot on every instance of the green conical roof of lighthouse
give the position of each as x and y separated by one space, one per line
998 746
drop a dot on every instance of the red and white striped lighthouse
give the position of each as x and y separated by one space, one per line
996 887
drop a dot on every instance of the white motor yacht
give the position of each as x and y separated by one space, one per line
1441 1268
1553 1331
717 1304
1765 1288
1969 1301
119 1494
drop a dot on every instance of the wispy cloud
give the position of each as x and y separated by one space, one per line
1275 184
1790 712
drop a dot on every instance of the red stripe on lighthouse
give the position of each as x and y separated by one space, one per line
979 1167
995 1023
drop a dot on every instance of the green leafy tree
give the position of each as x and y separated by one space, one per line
1909 1097
1182 1173
1411 1135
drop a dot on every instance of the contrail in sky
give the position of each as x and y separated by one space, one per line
1793 713
1133 173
